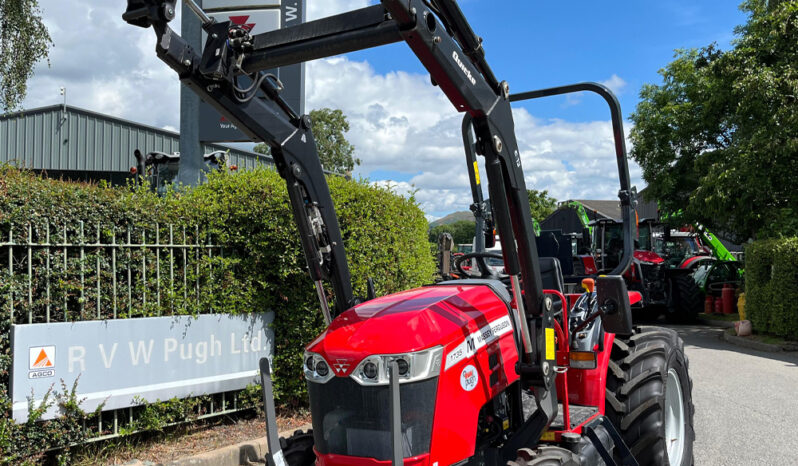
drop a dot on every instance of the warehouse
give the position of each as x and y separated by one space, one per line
62 141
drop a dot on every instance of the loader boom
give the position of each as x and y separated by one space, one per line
445 44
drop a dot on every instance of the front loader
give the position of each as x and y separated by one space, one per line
484 371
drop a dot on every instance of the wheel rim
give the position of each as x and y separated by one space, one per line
674 418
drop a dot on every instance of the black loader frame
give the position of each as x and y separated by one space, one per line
444 42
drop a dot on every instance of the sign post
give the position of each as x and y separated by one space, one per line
202 122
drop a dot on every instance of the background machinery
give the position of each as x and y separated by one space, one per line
481 371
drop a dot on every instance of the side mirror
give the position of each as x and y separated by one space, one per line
613 300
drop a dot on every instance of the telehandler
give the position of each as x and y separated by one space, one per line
480 371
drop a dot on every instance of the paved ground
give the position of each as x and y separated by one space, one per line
746 402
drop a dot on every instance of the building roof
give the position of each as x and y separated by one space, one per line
68 138
603 209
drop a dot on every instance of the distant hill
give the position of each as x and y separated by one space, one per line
453 217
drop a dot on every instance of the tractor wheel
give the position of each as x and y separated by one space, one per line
298 449
686 299
649 396
545 456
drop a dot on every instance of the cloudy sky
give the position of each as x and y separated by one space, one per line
405 131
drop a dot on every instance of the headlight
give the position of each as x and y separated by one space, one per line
373 370
316 368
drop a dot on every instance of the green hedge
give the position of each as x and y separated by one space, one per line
246 212
771 286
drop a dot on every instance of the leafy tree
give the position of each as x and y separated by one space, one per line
541 204
462 231
718 139
329 128
24 41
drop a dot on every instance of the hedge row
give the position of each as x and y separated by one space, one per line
771 286
263 268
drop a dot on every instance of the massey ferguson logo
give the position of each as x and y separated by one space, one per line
242 21
465 69
341 366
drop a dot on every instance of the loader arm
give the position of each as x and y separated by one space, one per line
442 39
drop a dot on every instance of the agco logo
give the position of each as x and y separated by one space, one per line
41 362
463 67
341 366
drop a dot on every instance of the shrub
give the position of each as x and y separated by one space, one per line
263 268
771 284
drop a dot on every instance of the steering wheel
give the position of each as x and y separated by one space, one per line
484 270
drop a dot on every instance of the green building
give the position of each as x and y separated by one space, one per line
72 143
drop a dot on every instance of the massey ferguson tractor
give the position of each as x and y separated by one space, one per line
483 371
664 287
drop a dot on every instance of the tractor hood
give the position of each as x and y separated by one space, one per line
648 256
408 321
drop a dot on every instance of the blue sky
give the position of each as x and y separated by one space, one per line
536 44
404 130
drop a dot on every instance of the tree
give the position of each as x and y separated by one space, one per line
24 41
718 139
329 128
541 204
462 231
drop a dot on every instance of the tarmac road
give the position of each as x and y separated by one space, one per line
746 402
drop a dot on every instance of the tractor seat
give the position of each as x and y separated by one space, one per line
551 274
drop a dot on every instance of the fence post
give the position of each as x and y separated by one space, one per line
66 265
128 246
143 271
30 273
99 293
82 272
158 266
47 258
11 271
172 267
113 269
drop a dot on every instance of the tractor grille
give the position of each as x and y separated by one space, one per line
354 420
654 283
651 272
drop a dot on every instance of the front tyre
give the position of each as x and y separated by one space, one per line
649 396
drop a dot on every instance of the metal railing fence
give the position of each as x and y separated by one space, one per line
72 272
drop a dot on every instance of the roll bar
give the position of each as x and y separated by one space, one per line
627 194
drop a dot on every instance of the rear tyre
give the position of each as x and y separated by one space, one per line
298 449
686 299
545 456
649 396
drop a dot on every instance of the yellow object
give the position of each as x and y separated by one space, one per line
549 343
548 436
476 172
588 284
506 424
741 306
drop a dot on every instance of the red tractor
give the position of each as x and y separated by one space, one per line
484 371
663 278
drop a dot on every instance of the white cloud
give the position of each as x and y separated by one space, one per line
615 83
399 121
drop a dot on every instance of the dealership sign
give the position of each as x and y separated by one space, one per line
256 16
121 363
